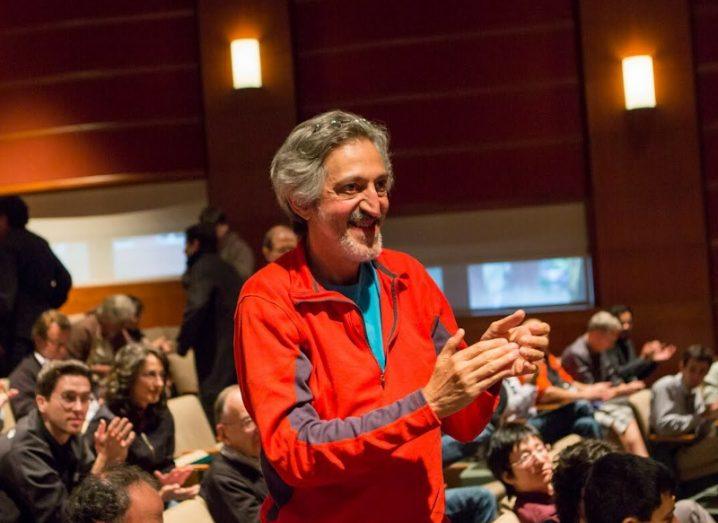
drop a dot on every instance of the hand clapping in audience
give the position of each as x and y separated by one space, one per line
112 440
172 482
5 396
656 351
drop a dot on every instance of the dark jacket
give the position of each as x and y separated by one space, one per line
234 488
37 473
154 445
42 283
23 378
630 366
212 287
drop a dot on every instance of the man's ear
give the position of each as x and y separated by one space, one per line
302 212
41 403
219 430
507 477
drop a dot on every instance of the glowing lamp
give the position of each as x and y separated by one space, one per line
638 87
246 67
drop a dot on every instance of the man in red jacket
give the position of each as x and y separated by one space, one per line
348 356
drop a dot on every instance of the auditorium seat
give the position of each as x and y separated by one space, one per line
192 429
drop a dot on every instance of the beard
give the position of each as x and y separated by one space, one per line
356 250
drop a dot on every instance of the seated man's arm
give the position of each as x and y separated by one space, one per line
231 498
579 369
303 448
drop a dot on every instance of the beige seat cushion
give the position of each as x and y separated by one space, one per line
192 430
192 511
640 402
184 373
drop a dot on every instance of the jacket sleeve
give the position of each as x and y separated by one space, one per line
230 498
468 423
8 283
197 308
304 449
577 368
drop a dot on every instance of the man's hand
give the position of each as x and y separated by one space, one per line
461 375
598 391
113 440
531 336
663 353
172 482
5 396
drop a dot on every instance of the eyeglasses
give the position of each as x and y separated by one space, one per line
529 456
68 399
246 423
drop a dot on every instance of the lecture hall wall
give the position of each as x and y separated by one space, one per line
486 103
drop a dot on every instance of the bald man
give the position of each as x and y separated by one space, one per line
278 240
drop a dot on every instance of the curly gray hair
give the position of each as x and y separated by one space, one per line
297 170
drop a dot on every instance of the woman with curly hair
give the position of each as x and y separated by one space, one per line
136 390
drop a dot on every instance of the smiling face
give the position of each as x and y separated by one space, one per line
64 411
344 228
150 381
531 467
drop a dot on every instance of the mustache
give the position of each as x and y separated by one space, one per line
359 218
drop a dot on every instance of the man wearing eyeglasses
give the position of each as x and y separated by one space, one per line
348 355
51 336
44 457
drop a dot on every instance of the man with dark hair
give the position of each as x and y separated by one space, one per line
632 366
212 287
623 488
232 249
51 335
519 459
569 477
44 457
678 407
234 486
41 280
121 494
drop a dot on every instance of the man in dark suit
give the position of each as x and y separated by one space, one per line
234 486
212 287
51 335
41 280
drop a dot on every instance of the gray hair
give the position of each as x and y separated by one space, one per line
297 170
605 322
117 309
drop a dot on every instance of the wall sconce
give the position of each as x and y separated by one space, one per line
638 87
246 67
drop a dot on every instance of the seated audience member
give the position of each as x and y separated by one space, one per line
51 335
569 476
136 390
234 486
677 407
121 494
44 457
623 354
103 331
520 460
278 240
629 489
586 361
569 479
232 249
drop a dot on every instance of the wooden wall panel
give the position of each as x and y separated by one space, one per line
163 300
650 247
482 100
106 92
705 47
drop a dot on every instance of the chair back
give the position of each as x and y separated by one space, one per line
192 430
183 372
194 510
640 402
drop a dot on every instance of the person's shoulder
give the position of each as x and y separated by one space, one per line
666 382
577 348
398 261
28 366
272 279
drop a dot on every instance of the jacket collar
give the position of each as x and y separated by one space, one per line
303 286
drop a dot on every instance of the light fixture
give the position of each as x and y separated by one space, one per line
246 67
638 87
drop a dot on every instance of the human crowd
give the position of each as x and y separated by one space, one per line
93 437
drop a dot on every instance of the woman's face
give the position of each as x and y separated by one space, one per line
150 381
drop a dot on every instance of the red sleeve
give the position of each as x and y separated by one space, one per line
303 448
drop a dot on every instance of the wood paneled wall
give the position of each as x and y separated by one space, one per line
705 46
648 221
482 99
98 93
